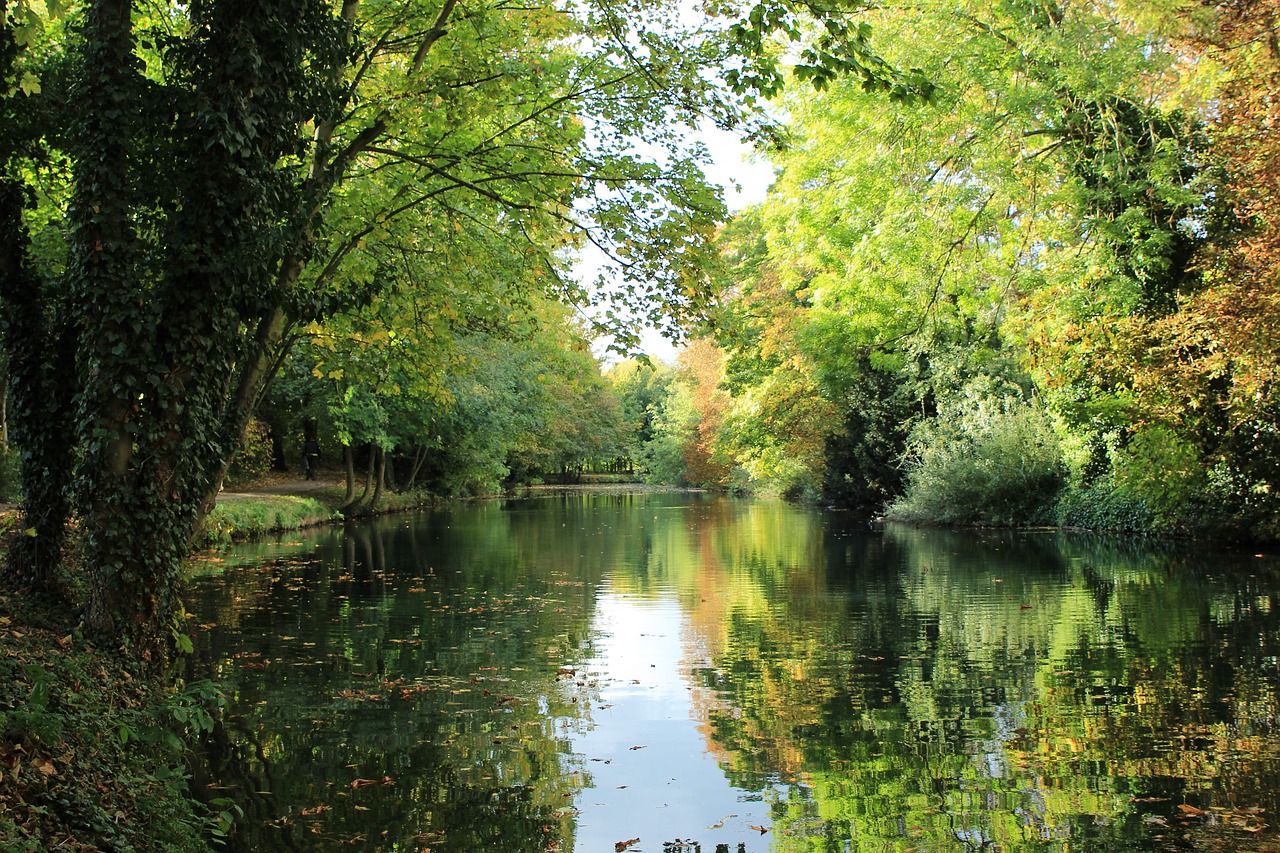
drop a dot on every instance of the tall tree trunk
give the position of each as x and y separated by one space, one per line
359 505
419 456
349 462
131 582
380 478
41 376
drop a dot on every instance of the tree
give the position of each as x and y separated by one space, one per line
1050 196
233 170
641 388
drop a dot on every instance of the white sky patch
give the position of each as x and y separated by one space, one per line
650 774
745 177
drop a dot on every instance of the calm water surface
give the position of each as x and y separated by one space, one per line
668 673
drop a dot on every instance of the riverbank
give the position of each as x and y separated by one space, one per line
92 747
282 502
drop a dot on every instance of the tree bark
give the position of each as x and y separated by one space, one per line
349 462
380 477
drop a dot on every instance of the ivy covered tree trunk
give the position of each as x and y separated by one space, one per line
176 342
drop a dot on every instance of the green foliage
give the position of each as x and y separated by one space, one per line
1102 505
863 461
1163 471
64 706
641 388
255 455
32 719
984 460
674 423
1045 214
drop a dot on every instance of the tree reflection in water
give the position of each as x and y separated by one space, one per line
431 682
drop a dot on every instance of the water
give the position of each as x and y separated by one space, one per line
681 673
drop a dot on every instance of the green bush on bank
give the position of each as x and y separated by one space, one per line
986 461
1103 505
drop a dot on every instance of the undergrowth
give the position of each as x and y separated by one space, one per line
92 752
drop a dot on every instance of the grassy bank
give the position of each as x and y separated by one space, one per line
247 518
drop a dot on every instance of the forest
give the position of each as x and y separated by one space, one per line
1042 292
1018 264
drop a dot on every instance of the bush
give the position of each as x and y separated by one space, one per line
1102 505
1163 470
255 455
984 461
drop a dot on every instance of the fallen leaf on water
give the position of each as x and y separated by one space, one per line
1191 810
316 810
623 845
364 783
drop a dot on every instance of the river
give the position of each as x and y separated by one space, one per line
671 673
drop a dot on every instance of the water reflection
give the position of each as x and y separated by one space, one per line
688 673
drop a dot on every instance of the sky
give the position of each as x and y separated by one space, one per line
745 178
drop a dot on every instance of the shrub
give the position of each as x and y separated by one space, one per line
1102 505
983 460
254 457
1163 470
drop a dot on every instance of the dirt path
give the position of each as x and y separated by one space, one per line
285 484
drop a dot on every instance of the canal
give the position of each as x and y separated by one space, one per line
671 673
